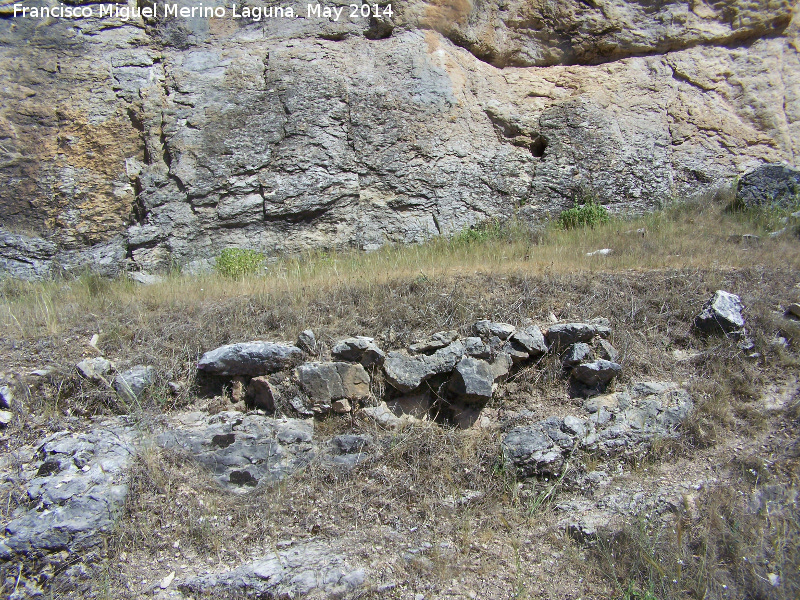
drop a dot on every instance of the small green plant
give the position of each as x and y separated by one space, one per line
589 214
239 262
480 233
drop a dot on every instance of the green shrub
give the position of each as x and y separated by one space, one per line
239 262
587 215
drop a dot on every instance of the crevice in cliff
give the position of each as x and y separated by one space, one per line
515 135
436 223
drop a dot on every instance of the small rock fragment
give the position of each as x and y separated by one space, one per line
307 342
382 416
359 349
566 334
5 418
167 581
607 351
434 342
486 328
95 369
144 278
6 396
722 314
532 341
576 354
351 444
131 384
793 310
596 374
472 380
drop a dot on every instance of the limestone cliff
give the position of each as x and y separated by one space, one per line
145 141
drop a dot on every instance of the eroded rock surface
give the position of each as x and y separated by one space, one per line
242 450
155 142
306 568
613 424
75 493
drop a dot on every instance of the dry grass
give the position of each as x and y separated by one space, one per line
503 542
734 548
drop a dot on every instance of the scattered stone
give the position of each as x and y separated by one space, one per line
574 426
43 372
501 366
131 384
175 387
167 581
325 383
641 232
260 394
772 185
308 568
747 239
416 405
477 348
721 315
144 278
434 342
341 406
566 334
531 340
242 450
515 351
76 495
406 373
530 451
583 531
685 355
468 497
793 310
607 351
383 416
351 444
6 396
359 349
601 252
95 369
596 374
577 353
307 342
486 328
472 380
5 418
250 358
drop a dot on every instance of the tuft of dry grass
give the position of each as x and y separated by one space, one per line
737 547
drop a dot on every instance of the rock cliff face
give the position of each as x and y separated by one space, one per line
148 141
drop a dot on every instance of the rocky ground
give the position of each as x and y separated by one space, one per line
595 436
